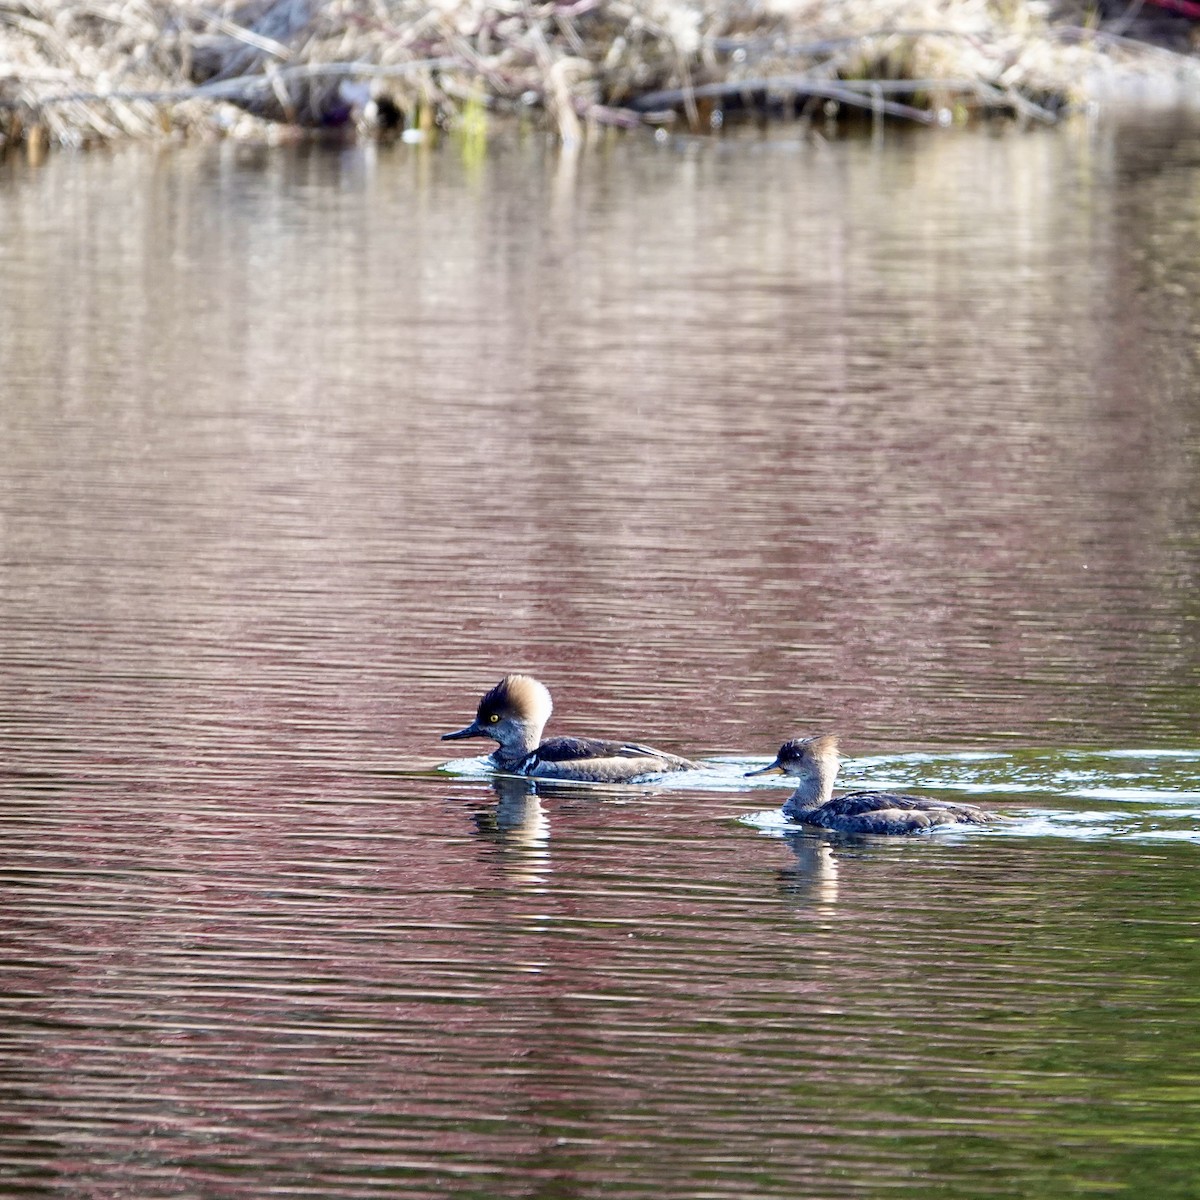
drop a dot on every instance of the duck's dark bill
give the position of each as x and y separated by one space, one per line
471 730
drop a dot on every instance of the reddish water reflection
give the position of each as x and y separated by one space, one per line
302 451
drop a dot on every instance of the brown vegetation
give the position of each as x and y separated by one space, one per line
76 71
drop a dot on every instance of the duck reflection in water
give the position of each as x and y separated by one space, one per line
518 827
814 875
813 764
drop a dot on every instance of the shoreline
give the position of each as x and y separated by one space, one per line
80 75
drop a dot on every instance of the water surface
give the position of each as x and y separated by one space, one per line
727 441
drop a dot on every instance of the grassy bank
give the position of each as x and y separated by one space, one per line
72 73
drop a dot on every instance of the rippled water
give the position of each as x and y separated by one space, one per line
727 441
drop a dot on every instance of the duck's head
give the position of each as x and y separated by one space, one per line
513 713
804 756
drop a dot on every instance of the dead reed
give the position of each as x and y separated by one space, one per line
80 71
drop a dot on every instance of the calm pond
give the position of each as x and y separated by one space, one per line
727 441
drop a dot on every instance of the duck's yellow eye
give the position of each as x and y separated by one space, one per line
494 718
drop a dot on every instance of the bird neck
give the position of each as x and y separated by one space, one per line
519 740
815 788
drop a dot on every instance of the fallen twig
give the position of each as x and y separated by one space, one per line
226 89
794 85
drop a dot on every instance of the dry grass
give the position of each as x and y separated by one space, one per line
76 71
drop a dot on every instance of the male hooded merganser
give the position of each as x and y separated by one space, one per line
514 713
814 763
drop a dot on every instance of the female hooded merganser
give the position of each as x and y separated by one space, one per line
814 763
514 713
